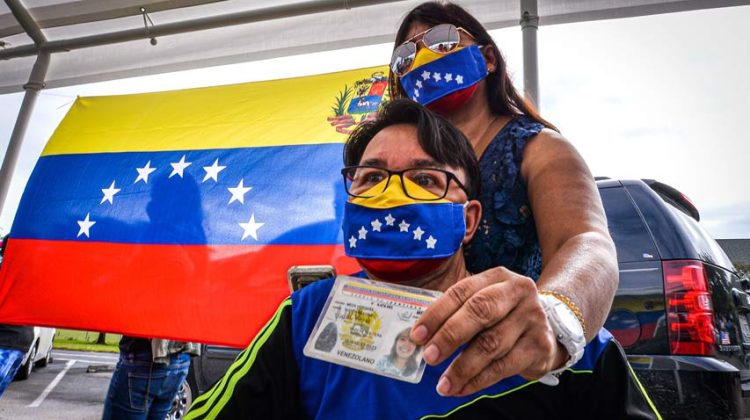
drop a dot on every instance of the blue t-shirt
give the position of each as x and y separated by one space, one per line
330 391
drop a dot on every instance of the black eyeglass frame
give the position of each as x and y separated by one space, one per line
415 43
450 176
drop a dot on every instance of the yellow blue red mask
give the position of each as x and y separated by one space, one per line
444 82
397 238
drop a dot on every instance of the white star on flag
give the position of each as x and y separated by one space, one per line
362 233
389 220
376 225
85 225
109 193
251 228
460 79
178 168
431 242
448 77
419 84
416 93
352 242
425 75
403 226
436 76
144 172
212 172
418 232
238 192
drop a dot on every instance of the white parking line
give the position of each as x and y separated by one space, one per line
112 356
38 401
78 359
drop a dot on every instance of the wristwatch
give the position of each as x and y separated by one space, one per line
568 331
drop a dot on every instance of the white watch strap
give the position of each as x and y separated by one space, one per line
568 331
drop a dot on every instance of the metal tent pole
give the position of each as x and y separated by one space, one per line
529 26
35 84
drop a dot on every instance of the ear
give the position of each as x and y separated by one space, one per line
490 56
473 214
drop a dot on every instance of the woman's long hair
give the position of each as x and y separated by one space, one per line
503 97
411 363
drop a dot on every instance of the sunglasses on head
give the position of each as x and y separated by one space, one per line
442 39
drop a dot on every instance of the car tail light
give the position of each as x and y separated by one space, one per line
690 314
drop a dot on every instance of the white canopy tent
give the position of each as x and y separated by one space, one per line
55 43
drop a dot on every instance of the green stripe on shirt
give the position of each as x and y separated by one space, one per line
210 404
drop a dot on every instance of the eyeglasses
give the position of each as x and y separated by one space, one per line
433 183
441 39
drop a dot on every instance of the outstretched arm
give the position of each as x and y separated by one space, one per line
578 255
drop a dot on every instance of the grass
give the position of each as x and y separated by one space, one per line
84 341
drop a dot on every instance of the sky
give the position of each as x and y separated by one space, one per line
663 97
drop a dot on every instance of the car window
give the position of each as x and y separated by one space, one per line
708 249
632 239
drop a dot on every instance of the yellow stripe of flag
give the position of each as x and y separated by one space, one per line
273 113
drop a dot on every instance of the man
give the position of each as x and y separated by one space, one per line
410 166
147 378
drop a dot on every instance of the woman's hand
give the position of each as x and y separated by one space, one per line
497 312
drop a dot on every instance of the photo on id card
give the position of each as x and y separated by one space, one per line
365 325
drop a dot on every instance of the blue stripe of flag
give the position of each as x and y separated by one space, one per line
296 194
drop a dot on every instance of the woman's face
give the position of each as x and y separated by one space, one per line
405 347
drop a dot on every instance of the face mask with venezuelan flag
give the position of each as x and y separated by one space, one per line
445 82
397 238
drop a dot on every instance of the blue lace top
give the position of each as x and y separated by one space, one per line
507 234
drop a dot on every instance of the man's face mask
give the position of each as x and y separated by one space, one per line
445 82
398 238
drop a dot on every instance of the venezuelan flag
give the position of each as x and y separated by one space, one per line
177 214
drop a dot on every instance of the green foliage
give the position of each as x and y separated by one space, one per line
343 97
84 341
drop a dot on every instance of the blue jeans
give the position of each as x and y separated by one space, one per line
141 389
10 361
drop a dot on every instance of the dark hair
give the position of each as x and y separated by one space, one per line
503 97
438 137
411 364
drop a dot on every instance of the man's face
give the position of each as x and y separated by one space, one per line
396 148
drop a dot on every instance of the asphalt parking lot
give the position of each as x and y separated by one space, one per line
72 387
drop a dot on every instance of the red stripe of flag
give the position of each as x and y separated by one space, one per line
246 283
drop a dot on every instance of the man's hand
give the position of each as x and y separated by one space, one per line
497 312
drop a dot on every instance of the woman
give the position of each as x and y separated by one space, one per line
544 231
402 360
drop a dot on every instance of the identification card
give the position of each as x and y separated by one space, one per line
365 325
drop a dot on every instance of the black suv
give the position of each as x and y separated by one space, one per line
680 310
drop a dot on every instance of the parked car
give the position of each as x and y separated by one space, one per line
681 311
39 353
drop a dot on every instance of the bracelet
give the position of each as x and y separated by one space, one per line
569 303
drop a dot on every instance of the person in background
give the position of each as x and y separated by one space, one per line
543 237
15 341
147 378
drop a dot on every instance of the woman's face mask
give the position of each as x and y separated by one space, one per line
397 238
445 82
